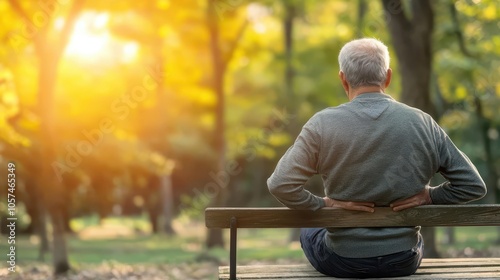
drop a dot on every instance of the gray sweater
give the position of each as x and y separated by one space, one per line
373 149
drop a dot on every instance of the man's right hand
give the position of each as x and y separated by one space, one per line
350 205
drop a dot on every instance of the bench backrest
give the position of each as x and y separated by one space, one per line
429 215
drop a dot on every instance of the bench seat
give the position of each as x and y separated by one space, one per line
456 268
428 215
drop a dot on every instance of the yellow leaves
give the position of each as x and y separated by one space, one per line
29 122
455 119
165 31
490 12
153 162
160 164
121 134
461 93
163 4
9 135
9 107
8 104
343 31
495 42
204 97
482 10
279 139
207 120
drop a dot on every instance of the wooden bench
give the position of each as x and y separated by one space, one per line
430 215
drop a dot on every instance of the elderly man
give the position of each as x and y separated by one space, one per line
371 151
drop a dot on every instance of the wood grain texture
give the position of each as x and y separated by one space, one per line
473 268
429 215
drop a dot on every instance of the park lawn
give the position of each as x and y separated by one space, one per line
471 242
127 240
163 249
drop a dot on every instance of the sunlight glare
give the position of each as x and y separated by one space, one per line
101 21
59 23
89 38
129 51
255 14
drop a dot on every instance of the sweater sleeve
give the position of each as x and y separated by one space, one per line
464 184
296 166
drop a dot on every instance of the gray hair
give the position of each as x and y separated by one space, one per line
364 62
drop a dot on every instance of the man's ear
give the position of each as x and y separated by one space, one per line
388 78
345 84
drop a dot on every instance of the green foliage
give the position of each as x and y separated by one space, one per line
9 109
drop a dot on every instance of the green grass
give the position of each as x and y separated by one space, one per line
128 241
476 238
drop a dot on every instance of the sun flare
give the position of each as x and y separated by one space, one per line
91 40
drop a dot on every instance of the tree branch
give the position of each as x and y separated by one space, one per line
235 42
25 17
442 105
20 11
458 31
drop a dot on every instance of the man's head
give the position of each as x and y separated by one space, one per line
364 66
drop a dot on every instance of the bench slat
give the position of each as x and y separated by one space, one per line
426 264
476 268
428 215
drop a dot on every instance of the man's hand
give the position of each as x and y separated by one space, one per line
350 205
421 198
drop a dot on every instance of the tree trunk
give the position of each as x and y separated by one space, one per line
49 53
288 96
167 204
31 204
39 219
153 219
214 236
164 188
60 252
53 187
411 39
449 235
492 177
42 233
362 7
484 125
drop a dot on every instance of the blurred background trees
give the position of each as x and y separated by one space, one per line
165 107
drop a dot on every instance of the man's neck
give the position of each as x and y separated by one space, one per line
353 93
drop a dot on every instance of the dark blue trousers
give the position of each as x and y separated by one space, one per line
327 262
